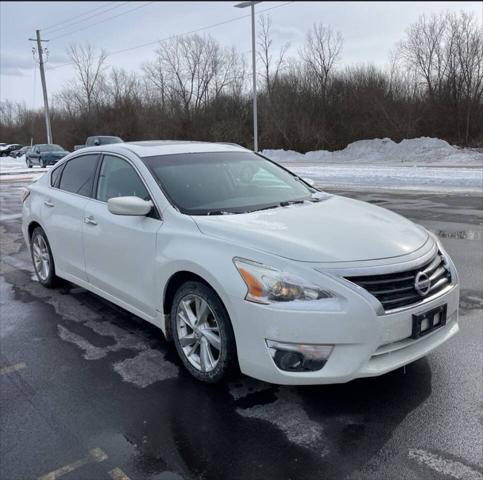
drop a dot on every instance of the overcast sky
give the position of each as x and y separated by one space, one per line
370 31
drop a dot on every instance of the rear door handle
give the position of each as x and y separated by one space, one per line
90 220
48 203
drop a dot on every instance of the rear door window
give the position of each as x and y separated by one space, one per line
78 175
55 176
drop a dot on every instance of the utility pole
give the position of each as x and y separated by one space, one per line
40 52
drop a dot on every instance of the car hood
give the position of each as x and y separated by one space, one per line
337 229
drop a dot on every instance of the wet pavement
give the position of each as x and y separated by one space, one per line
89 391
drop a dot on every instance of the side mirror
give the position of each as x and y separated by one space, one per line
133 206
97 142
309 181
37 151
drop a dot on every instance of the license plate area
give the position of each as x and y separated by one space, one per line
427 322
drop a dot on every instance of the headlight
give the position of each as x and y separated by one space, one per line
448 263
268 285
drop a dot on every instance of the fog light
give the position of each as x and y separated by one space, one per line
299 357
289 361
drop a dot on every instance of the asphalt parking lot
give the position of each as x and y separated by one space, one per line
88 391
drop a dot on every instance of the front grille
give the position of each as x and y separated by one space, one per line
396 290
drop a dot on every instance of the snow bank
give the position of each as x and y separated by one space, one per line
415 151
435 178
8 164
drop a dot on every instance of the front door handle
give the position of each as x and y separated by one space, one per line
90 220
48 203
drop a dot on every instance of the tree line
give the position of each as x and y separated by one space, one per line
194 88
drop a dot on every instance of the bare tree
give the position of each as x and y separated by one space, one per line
154 74
446 52
466 51
321 52
424 50
89 66
192 70
271 67
121 86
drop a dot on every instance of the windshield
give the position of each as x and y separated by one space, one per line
225 182
104 140
109 140
49 148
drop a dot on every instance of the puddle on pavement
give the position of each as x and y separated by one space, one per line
471 300
460 234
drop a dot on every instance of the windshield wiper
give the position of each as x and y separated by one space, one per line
219 212
291 202
277 205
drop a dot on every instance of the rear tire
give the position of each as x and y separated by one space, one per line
202 333
42 258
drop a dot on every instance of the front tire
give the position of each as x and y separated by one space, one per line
42 258
29 164
202 333
42 162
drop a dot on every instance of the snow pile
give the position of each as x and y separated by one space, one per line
8 164
283 155
12 169
415 151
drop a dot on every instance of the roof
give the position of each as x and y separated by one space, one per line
152 148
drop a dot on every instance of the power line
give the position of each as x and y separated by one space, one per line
191 32
102 21
75 22
76 17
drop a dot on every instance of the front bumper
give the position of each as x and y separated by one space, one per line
365 344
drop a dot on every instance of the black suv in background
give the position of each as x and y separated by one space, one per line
99 140
8 150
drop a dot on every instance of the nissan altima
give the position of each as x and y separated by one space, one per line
244 265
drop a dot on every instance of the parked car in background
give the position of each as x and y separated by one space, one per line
20 152
44 154
3 146
243 263
9 149
97 140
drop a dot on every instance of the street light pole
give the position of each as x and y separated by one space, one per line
254 71
254 68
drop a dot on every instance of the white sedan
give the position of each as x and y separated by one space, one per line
242 263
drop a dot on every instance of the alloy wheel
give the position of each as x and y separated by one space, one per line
198 333
40 253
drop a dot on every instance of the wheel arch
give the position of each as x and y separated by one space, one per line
173 284
32 226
